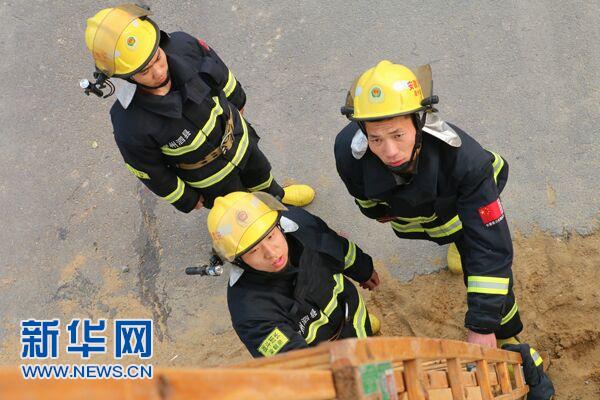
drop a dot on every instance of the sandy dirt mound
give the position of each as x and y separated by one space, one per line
558 292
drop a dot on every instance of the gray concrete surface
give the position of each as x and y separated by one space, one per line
521 76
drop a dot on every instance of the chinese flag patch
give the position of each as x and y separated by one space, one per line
492 213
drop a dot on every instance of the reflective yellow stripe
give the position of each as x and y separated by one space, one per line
202 134
537 359
407 228
487 285
332 305
498 164
350 255
137 172
366 203
421 220
263 185
230 86
449 228
239 154
177 193
360 317
510 314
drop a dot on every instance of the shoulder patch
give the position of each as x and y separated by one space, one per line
138 173
273 343
492 213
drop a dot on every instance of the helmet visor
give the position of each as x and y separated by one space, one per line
108 33
245 224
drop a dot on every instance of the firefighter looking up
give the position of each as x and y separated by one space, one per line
430 180
178 121
289 285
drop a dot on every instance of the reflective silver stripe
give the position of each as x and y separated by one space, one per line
537 359
332 305
202 134
263 185
350 255
487 285
360 317
510 314
239 154
177 193
449 228
421 220
230 85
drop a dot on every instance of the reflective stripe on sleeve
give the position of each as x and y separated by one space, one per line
487 285
273 343
510 314
497 164
262 186
332 305
137 172
202 134
360 317
537 359
177 193
350 255
226 170
447 229
366 203
230 85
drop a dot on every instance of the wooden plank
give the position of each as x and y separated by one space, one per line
437 379
519 378
504 377
439 394
456 379
178 384
483 379
469 378
313 358
412 380
473 393
399 381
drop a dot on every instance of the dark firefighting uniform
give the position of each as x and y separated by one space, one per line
310 300
454 197
157 134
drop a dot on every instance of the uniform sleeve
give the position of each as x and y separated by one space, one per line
222 76
487 250
353 262
370 208
147 164
267 338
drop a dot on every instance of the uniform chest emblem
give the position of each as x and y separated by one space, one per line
185 134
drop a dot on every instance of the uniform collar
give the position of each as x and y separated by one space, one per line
379 180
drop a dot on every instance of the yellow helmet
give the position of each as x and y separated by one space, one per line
387 90
239 220
121 40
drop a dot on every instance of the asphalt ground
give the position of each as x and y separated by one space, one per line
522 77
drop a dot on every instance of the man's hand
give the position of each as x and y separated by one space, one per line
488 340
200 203
372 282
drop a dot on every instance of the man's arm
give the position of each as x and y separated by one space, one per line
147 164
488 254
267 338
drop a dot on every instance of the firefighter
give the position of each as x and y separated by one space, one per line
289 286
430 180
178 120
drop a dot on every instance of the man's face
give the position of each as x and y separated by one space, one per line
270 254
155 73
392 140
